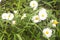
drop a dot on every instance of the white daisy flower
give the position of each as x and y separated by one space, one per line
13 22
10 16
35 19
4 16
42 14
47 32
33 4
0 0
54 22
24 15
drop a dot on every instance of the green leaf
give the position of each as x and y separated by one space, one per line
1 37
19 37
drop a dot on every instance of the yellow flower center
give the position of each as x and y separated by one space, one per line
42 15
47 32
33 4
9 16
55 22
36 18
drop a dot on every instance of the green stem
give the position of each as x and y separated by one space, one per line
18 5
38 27
48 39
8 37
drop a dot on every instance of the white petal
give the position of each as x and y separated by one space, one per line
24 15
0 0
51 21
13 22
10 16
15 11
34 8
54 25
4 16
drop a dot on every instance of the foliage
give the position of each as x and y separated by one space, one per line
25 29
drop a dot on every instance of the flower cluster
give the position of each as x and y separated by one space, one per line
7 16
41 16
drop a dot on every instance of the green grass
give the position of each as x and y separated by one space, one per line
25 29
